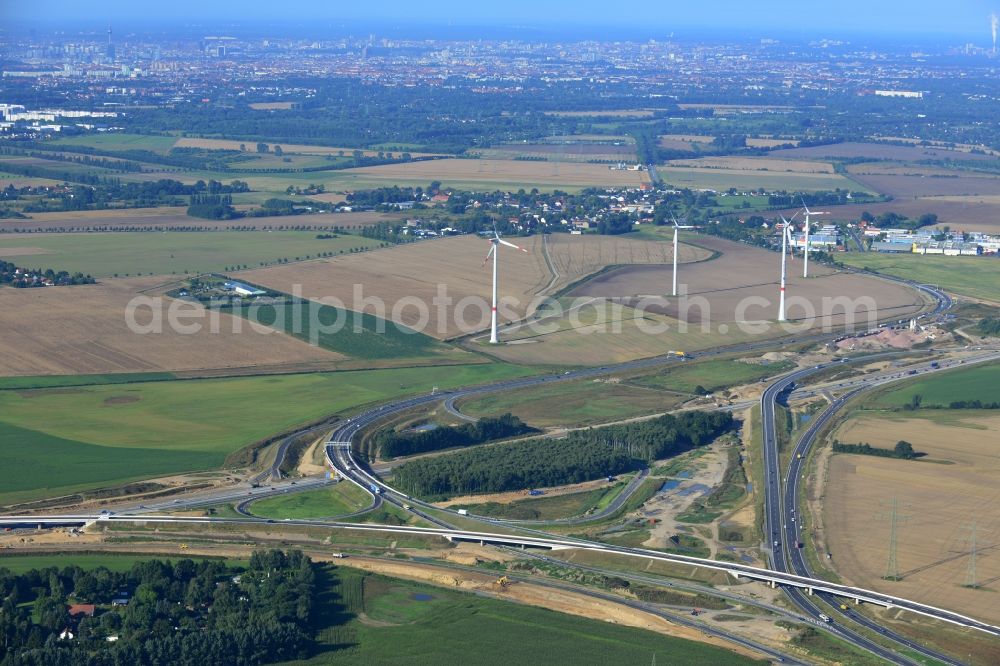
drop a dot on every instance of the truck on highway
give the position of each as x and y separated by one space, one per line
375 489
463 512
825 617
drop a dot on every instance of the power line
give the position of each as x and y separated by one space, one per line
894 518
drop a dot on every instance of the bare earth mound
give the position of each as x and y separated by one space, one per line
83 330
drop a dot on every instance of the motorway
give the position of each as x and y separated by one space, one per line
780 521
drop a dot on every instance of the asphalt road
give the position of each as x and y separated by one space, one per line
781 496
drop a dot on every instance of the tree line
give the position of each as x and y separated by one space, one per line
903 450
158 612
392 443
581 456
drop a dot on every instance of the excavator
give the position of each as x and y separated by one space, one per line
501 583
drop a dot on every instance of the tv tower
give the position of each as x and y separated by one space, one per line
110 51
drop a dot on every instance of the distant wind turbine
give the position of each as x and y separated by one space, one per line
495 242
805 250
676 227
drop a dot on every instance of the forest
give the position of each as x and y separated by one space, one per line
160 612
581 456
392 443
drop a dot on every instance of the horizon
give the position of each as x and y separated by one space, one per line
587 19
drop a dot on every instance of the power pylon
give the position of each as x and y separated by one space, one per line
894 518
970 572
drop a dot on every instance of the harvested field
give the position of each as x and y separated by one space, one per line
574 152
941 503
771 143
270 106
980 213
877 151
722 179
83 329
176 217
755 164
111 254
455 172
304 149
748 276
621 113
727 109
912 186
401 274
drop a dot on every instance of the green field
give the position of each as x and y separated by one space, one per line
977 277
175 252
67 439
118 142
343 498
550 508
355 334
574 403
55 381
111 561
975 383
710 375
412 624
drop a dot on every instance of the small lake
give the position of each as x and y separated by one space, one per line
421 596
425 427
669 485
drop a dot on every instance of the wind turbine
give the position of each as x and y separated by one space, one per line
676 227
805 251
784 244
495 243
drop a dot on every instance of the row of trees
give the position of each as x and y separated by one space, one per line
582 456
903 450
185 612
392 443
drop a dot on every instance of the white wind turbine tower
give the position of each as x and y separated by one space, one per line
676 227
805 250
495 242
785 233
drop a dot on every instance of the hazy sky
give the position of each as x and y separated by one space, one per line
800 17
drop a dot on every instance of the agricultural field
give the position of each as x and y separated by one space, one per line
400 274
177 253
573 404
720 179
288 148
619 113
741 285
912 186
975 277
66 439
396 622
120 142
357 335
84 329
877 151
569 151
755 164
980 213
981 382
941 497
336 500
174 217
489 174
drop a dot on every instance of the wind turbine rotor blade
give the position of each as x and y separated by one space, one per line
490 253
516 247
